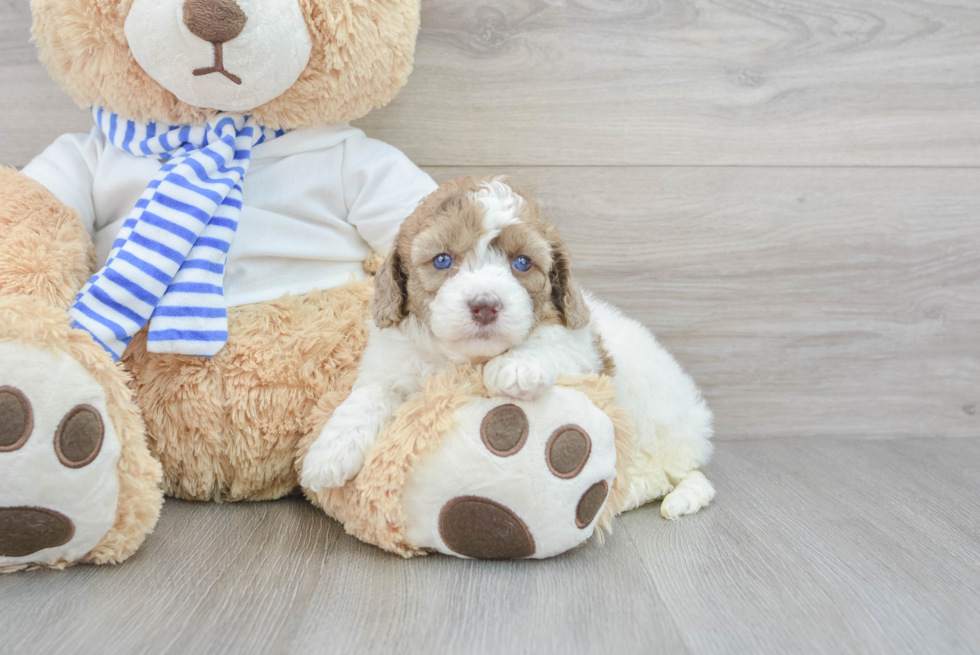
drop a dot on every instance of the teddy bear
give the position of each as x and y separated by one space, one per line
184 295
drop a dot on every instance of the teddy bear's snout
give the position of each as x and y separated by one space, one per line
215 21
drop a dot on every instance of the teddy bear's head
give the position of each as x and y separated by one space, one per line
289 63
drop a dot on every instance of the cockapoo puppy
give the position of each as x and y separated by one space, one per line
478 276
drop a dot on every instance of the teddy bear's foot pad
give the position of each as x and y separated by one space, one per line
480 528
514 479
58 454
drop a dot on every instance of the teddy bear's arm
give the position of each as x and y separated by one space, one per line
382 187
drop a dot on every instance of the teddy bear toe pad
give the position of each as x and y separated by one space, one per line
58 455
514 479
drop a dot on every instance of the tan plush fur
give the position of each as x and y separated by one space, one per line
30 321
370 505
227 428
362 55
44 249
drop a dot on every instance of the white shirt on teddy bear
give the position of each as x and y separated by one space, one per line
315 203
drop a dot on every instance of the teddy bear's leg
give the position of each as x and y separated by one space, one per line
486 478
45 251
77 482
514 479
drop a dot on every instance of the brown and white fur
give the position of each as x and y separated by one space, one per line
526 327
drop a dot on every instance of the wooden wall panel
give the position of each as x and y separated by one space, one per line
805 301
788 194
643 82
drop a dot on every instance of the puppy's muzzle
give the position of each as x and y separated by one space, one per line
484 312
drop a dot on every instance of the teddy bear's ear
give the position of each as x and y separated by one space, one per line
390 292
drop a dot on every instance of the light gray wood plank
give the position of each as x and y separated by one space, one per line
806 302
813 546
34 110
281 577
681 82
826 546
590 600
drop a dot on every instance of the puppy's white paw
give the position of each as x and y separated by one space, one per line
690 495
334 459
519 377
678 503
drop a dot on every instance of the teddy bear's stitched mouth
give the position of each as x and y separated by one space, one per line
215 21
218 66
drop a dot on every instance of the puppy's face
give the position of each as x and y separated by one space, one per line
480 267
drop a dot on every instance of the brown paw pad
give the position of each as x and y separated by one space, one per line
590 503
567 451
26 530
504 430
16 419
79 437
483 529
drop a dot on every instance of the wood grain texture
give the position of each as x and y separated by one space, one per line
642 82
691 82
814 546
788 193
805 302
826 546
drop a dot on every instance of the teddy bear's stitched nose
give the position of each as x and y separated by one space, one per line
215 21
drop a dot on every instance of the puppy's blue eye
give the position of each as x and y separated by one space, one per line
442 261
522 264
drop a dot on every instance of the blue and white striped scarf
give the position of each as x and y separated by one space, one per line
167 263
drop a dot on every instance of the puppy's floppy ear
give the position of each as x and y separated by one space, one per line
390 292
565 292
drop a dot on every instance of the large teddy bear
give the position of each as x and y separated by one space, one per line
184 298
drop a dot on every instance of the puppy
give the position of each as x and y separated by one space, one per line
478 276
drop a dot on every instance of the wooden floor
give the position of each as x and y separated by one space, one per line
817 545
788 193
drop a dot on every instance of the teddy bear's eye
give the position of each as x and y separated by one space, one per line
522 263
442 261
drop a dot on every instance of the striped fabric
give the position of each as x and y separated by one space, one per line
167 263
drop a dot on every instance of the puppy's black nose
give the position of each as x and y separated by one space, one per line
215 21
484 312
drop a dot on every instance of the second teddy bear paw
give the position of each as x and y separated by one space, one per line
58 454
514 479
